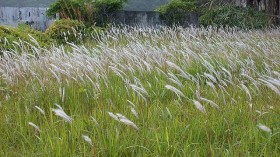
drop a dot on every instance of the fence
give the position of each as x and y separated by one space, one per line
37 18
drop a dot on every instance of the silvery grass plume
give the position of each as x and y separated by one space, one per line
174 66
87 139
128 122
121 118
134 112
34 126
247 93
139 90
213 87
60 113
264 128
94 120
175 90
199 106
271 86
212 104
173 78
62 93
113 116
211 77
40 110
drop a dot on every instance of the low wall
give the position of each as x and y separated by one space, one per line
37 18
149 18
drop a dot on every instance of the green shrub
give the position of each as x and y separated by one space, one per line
9 37
88 11
66 30
81 10
233 16
41 37
175 12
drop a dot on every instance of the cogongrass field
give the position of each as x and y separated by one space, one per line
144 92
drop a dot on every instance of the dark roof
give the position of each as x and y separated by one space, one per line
132 5
26 3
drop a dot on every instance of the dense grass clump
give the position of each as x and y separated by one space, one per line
145 92
16 38
66 30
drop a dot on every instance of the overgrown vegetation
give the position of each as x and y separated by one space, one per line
176 11
215 13
14 38
88 11
233 16
145 92
136 91
66 30
81 10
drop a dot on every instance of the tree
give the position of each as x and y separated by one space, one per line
88 11
175 12
271 7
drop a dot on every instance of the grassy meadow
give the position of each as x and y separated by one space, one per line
136 91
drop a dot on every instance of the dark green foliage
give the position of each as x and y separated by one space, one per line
81 10
175 12
14 38
233 16
66 30
88 11
104 9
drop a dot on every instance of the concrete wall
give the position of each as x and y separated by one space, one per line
149 18
137 18
36 17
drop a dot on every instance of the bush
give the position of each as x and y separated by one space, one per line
9 36
66 30
41 37
234 16
175 12
81 10
88 11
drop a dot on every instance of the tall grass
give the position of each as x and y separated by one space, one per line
145 92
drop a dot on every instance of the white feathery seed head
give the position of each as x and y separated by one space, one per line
175 90
94 120
34 126
134 112
113 116
40 110
128 122
60 113
87 139
264 128
121 118
199 106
